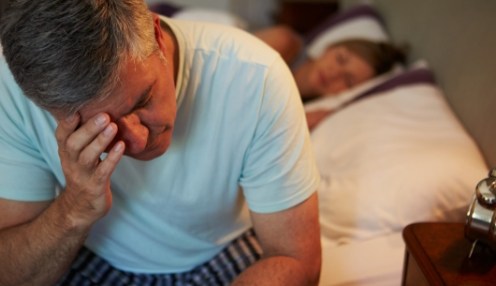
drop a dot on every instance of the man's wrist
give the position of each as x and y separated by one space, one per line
68 219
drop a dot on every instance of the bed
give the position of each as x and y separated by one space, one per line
407 146
410 145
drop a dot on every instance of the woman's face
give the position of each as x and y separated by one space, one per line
338 69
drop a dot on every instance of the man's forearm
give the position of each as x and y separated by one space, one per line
40 251
278 270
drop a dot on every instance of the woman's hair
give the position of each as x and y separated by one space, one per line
381 56
66 53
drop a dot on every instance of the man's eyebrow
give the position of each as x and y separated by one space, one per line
144 97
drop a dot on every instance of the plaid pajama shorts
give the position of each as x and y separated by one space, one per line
89 269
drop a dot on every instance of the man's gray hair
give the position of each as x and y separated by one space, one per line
66 53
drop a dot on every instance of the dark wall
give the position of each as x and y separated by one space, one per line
3 5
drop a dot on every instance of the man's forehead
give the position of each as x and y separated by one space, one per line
117 104
119 98
109 105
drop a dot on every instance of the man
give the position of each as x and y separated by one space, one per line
150 151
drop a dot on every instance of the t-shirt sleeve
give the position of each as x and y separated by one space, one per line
279 169
24 174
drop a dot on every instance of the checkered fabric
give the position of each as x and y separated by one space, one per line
89 269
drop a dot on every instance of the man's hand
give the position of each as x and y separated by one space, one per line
39 246
87 194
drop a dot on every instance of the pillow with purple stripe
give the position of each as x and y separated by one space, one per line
418 73
358 22
412 76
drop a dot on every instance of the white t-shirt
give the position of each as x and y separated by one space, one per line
240 137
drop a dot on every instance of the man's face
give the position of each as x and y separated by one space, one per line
143 106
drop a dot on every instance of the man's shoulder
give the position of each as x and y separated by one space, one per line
223 40
14 105
8 85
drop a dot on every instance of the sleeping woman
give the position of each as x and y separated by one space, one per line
341 66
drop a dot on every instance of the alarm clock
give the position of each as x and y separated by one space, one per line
480 223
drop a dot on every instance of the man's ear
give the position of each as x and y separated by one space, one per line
159 33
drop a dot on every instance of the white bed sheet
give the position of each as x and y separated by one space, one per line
373 262
386 161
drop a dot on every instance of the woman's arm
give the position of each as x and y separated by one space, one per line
282 39
315 117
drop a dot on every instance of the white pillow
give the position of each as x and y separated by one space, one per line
393 159
362 28
358 22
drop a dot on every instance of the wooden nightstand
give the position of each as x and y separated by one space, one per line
437 254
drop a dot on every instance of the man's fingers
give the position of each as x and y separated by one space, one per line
91 153
85 134
107 166
66 127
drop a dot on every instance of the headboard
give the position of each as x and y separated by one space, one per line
458 40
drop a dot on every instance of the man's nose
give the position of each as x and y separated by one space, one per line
127 124
132 132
